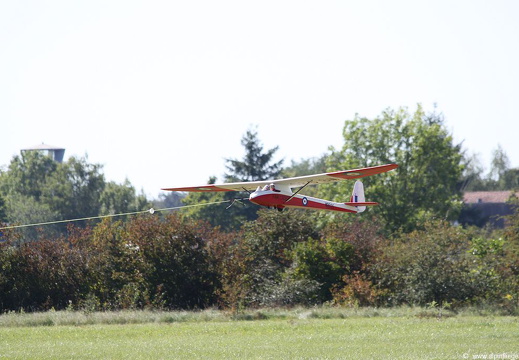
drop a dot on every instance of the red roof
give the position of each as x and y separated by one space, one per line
475 197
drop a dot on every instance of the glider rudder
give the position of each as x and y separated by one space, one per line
358 198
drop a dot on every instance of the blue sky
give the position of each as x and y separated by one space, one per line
161 92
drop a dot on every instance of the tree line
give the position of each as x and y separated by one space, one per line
432 175
35 189
280 259
405 251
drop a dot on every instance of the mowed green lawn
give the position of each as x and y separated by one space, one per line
350 338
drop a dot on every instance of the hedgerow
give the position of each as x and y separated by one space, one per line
280 259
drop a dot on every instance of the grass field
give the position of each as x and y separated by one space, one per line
317 334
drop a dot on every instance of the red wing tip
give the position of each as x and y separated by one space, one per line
366 203
358 173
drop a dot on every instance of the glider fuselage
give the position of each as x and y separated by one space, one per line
280 199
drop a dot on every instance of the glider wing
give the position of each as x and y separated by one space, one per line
336 176
291 182
237 186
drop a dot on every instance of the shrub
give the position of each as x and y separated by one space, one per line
323 261
260 256
434 264
41 275
177 260
357 291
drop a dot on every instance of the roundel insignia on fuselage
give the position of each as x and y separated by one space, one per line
305 201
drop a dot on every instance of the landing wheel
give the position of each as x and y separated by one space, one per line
280 209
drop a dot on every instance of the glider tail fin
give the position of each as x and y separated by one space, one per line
358 199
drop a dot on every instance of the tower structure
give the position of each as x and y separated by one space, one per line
54 152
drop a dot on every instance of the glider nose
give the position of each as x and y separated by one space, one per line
255 193
252 196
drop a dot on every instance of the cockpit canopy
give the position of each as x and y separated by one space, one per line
270 187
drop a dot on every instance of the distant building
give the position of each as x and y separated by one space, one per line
486 208
55 152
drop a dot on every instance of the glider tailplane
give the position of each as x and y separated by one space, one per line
358 199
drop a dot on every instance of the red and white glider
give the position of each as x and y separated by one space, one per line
278 193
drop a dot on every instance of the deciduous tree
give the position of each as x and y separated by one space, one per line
36 189
424 185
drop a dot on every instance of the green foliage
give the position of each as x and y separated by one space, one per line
27 175
499 165
180 269
37 189
507 264
364 233
257 267
173 262
41 275
151 262
256 164
215 214
364 236
74 189
117 199
116 265
145 262
23 209
397 253
71 189
268 242
3 216
168 200
483 247
435 264
324 261
499 177
282 259
273 234
424 185
306 167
